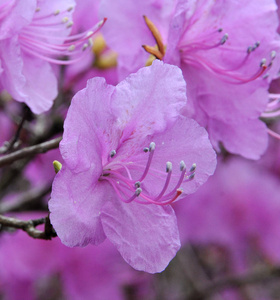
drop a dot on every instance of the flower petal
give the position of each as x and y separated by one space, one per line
75 206
146 235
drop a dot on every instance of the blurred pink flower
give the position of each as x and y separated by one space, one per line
61 272
108 186
33 34
227 51
238 209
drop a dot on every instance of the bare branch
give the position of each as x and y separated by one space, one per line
30 151
253 277
30 227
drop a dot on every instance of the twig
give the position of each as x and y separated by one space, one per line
26 200
255 277
30 227
29 151
11 144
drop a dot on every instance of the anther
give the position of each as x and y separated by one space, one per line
70 24
273 54
146 149
85 46
190 177
71 48
220 29
57 12
70 8
152 147
138 191
65 20
137 184
224 39
168 167
263 63
113 153
193 167
37 9
249 49
182 166
90 42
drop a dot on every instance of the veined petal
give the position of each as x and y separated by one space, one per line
75 206
146 235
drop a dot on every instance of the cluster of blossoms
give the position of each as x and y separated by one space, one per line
158 90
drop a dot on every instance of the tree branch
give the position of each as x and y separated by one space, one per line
253 277
29 151
30 227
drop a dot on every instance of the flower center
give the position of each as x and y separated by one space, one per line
192 53
128 189
46 37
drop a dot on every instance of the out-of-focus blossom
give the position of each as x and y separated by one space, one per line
34 34
31 268
117 179
99 60
227 51
237 209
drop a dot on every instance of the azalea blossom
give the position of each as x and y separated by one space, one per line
227 51
52 269
237 209
128 154
33 34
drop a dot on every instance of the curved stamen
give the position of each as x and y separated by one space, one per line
151 154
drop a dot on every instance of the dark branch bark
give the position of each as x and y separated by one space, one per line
30 227
254 277
29 151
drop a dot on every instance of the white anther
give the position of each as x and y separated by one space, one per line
70 24
273 54
71 48
250 49
263 62
84 47
265 76
138 191
190 177
57 12
193 167
182 165
146 149
113 153
37 9
152 146
89 33
65 20
224 39
257 44
90 42
137 184
70 8
168 167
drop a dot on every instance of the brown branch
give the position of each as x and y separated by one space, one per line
30 227
30 151
27 200
237 281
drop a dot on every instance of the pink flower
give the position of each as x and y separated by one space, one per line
99 60
109 186
63 273
237 209
226 64
33 34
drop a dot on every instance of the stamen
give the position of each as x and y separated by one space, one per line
224 39
113 153
137 184
156 34
57 12
151 150
193 167
65 20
